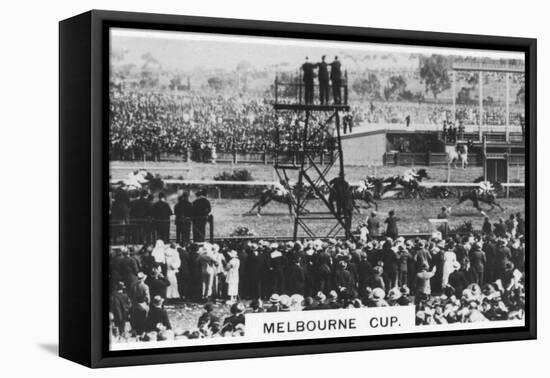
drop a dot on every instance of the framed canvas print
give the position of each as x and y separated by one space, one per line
234 188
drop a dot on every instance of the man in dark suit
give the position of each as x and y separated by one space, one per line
157 315
308 76
323 80
127 268
157 283
161 216
201 211
140 213
477 263
295 277
183 212
256 269
336 78
391 228
120 305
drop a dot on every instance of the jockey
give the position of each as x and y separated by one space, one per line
485 187
410 175
362 186
279 189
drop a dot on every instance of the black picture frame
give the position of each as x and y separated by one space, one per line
83 113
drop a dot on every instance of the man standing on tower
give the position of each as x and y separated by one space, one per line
308 77
323 81
336 78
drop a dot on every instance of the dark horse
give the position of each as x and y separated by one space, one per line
277 193
478 195
410 183
365 192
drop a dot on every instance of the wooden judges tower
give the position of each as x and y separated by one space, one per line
298 149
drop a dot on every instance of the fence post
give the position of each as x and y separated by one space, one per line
429 158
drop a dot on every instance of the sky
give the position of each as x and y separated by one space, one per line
187 51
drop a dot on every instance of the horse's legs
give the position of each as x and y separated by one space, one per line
262 204
498 205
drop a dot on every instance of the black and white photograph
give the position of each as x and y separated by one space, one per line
268 189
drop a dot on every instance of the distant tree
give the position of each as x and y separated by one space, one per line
215 83
367 86
397 85
434 71
464 96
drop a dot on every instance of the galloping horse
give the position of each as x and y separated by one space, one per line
486 193
458 152
136 181
277 193
410 182
365 192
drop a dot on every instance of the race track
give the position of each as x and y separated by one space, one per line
413 215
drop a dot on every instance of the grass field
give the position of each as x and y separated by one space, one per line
261 172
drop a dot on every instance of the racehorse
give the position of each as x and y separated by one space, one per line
277 193
410 182
365 191
139 180
485 193
458 152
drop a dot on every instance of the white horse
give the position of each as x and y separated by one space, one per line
457 152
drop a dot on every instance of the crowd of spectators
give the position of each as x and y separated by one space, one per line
199 126
460 278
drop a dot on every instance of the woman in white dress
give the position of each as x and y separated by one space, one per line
159 254
233 276
173 263
449 264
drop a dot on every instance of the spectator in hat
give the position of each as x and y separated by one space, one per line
162 212
391 228
232 275
201 212
336 78
487 228
274 303
423 278
295 277
237 317
157 319
478 260
208 321
127 267
308 69
183 212
376 279
342 277
140 213
139 294
157 283
403 257
256 269
502 256
173 264
460 278
373 226
323 80
120 305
